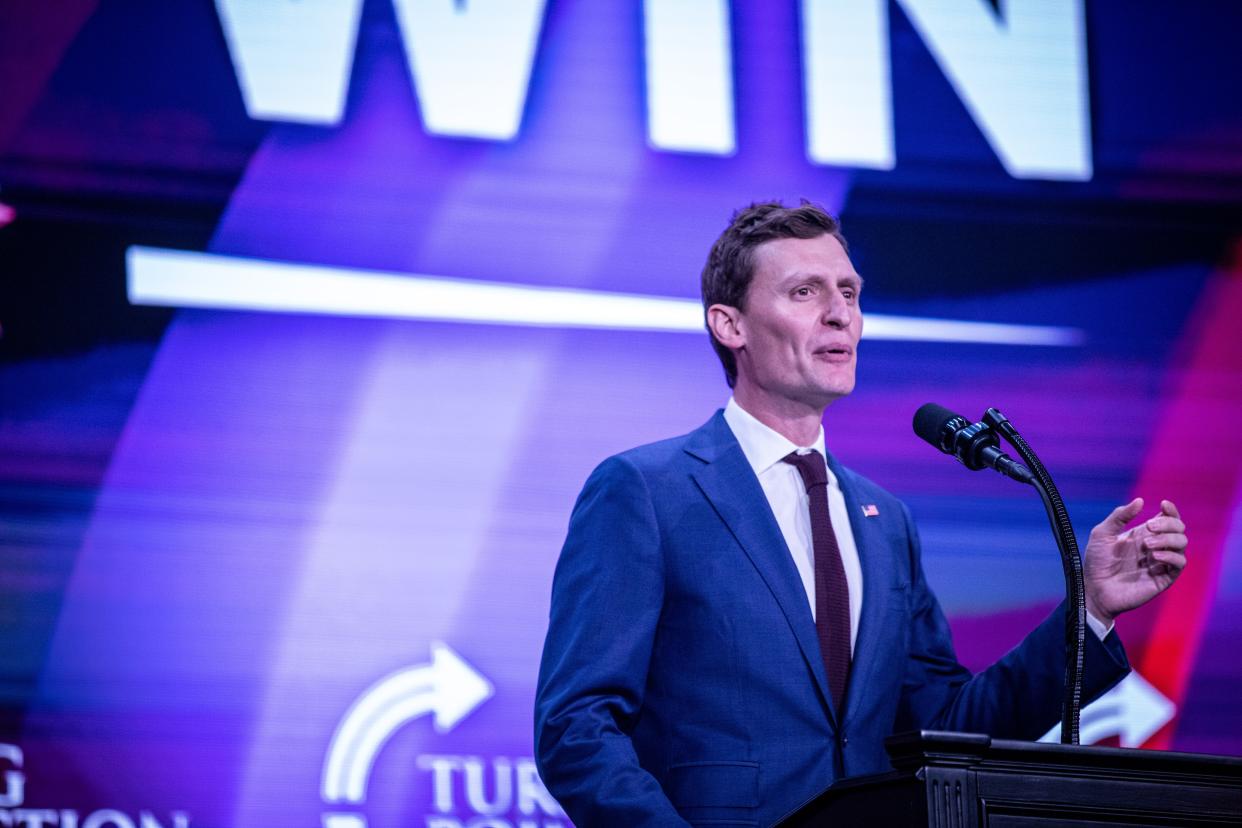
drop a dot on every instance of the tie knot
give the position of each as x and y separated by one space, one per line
811 466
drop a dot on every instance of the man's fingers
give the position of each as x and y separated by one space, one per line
1175 561
1167 507
1123 514
1171 540
1165 523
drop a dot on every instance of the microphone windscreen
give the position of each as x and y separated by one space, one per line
929 422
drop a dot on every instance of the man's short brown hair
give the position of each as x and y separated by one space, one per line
730 265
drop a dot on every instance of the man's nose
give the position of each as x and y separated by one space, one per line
837 311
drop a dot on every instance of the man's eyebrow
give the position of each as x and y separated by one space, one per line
802 276
812 276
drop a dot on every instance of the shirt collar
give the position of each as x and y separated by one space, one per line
764 447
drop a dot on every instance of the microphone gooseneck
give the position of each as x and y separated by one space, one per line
976 446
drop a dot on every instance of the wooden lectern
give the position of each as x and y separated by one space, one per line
962 780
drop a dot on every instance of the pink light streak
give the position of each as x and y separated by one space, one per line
1192 461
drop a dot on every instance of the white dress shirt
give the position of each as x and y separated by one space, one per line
782 484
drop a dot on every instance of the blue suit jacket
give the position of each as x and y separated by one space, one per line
682 679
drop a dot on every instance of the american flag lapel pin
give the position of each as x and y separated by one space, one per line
870 510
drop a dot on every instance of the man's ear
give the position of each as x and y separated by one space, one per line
725 323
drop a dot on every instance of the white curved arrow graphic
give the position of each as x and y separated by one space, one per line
448 688
1133 711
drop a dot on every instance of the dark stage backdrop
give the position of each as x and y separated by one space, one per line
317 314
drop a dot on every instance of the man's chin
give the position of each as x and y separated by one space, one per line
824 396
836 388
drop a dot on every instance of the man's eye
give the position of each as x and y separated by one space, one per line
805 290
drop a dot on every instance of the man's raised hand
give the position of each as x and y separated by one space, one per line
1126 568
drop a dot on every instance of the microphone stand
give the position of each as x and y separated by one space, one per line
1071 562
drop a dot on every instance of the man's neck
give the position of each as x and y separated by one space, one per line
794 421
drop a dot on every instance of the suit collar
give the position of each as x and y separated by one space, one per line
712 439
763 446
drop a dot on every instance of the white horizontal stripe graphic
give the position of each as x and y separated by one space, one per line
177 278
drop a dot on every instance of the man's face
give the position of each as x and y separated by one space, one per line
800 330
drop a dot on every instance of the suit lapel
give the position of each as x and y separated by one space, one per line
728 482
873 556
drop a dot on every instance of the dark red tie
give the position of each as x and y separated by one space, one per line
832 592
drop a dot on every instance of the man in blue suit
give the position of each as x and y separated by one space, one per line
722 644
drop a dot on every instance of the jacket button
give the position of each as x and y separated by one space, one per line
845 740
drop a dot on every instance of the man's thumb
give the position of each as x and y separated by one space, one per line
1123 514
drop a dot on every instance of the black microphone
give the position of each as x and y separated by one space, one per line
974 445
